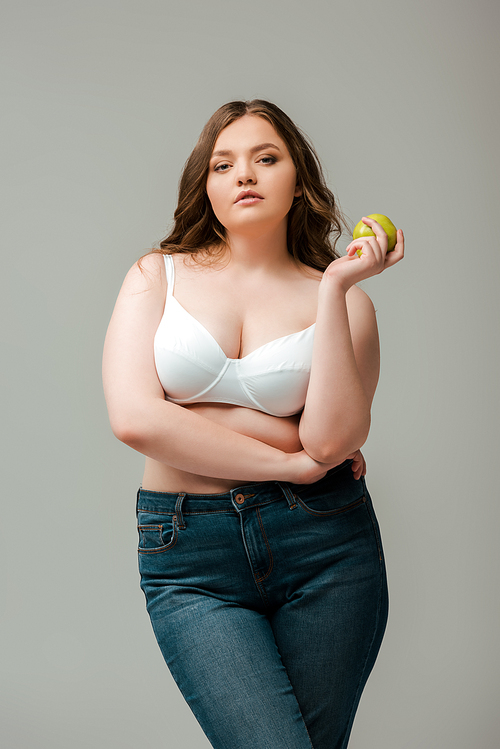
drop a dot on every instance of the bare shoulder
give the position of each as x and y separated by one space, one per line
147 274
143 291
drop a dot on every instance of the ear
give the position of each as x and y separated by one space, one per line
298 191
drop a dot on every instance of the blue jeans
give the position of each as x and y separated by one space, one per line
269 604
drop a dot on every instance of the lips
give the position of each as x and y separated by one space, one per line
248 194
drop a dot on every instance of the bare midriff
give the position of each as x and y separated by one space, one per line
279 432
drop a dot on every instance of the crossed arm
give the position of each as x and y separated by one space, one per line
166 432
335 420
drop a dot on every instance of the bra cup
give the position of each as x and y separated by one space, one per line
279 393
182 379
188 361
193 368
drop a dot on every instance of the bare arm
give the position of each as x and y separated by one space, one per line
345 366
164 431
344 375
280 432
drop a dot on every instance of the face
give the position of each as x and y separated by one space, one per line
252 179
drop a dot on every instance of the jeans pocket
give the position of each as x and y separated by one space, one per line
328 504
157 537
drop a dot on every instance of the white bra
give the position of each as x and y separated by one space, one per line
193 368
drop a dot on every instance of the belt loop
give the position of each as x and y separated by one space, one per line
290 496
178 510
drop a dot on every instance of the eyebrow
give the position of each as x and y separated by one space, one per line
254 149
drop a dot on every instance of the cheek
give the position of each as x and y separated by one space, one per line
291 181
214 198
290 192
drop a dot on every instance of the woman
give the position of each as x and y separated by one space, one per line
241 360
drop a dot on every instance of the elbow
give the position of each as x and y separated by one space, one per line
329 453
130 421
334 449
126 431
136 425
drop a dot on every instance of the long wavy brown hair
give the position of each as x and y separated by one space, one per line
315 221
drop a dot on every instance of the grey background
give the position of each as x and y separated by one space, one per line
102 103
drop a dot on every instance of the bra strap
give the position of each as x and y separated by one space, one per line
170 271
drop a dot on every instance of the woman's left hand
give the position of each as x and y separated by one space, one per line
371 261
358 464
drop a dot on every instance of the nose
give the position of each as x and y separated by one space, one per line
246 174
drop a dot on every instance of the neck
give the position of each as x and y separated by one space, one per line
267 251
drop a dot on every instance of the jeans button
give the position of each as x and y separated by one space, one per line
239 499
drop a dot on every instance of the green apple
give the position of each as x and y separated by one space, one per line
362 230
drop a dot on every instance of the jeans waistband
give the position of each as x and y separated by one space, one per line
339 478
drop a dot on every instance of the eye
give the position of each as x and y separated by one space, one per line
221 167
268 160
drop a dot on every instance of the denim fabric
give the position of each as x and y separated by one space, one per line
269 604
